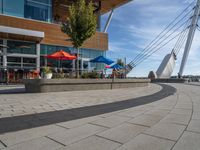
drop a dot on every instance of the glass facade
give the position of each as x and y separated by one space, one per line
84 54
33 9
38 10
50 49
13 8
1 54
21 47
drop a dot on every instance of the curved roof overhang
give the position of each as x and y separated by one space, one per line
107 5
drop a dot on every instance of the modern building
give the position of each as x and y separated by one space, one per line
30 30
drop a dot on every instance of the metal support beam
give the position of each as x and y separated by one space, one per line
190 38
38 56
108 21
5 54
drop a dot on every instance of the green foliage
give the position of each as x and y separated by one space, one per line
81 24
47 70
120 62
91 75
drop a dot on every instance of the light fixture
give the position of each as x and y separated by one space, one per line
3 46
24 46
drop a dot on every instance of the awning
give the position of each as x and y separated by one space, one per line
17 33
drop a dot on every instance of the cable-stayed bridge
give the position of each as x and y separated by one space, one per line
182 29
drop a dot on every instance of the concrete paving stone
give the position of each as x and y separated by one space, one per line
180 111
92 143
188 141
196 115
123 133
75 134
132 113
146 142
194 126
42 143
158 112
165 107
175 118
78 122
145 107
110 114
12 138
196 107
166 130
184 105
146 120
110 121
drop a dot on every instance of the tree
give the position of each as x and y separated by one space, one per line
80 25
120 62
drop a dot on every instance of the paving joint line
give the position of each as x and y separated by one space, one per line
138 124
54 140
188 122
109 139
3 143
193 131
159 137
62 126
99 125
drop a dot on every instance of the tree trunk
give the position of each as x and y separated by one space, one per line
77 64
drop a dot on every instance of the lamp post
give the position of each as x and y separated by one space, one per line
1 52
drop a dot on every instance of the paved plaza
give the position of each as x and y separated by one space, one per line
157 117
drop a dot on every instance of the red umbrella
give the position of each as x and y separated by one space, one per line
61 55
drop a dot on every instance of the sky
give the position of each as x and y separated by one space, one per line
135 24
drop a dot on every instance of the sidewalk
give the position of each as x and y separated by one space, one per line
170 121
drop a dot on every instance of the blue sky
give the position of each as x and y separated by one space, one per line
136 23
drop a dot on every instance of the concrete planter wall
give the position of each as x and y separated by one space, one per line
59 85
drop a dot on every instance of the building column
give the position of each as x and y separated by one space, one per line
38 56
5 54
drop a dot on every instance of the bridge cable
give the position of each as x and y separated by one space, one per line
153 42
160 47
174 31
182 39
198 28
182 42
160 38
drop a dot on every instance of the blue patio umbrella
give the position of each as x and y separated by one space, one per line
102 59
116 66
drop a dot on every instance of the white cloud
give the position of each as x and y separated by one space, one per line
137 23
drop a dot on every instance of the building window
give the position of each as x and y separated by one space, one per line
13 7
50 49
14 62
38 10
1 6
32 9
29 62
1 54
21 47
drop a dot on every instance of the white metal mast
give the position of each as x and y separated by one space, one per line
190 37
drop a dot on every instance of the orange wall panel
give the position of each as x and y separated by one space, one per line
53 34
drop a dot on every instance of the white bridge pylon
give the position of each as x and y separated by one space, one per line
182 27
166 68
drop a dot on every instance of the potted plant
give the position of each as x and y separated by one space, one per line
47 73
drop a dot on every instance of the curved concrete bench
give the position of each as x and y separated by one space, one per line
59 85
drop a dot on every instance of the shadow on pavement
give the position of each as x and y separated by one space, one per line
35 120
13 91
